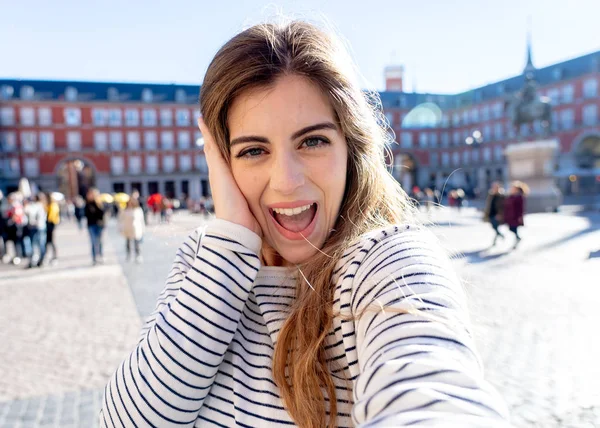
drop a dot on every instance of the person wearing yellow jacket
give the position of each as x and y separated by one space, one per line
53 219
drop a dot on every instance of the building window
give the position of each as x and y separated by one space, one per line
28 141
180 96
557 73
406 140
6 92
445 139
74 141
114 117
135 164
112 94
475 115
132 117
198 141
487 132
149 117
26 93
46 141
445 120
554 96
71 93
475 156
166 140
196 116
99 117
456 138
567 119
166 118
455 158
116 165
8 142
116 141
7 116
465 117
150 140
200 164
390 118
487 154
185 163
433 159
445 159
151 164
183 117
465 157
498 132
433 140
133 140
72 116
45 116
590 114
590 88
455 119
183 140
13 168
498 153
568 93
27 115
423 140
31 167
100 141
168 163
147 95
485 113
498 110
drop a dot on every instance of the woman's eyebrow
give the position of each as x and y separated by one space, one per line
297 134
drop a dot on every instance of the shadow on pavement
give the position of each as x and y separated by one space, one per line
594 254
481 256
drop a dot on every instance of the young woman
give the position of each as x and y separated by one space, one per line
312 299
53 211
131 224
514 209
494 209
95 212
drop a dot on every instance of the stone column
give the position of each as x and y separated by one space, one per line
532 162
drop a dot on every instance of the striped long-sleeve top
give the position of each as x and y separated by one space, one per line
205 355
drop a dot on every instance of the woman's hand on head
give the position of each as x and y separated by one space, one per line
229 202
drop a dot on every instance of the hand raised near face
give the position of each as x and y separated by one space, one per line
229 202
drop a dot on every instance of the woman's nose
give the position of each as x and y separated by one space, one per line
287 174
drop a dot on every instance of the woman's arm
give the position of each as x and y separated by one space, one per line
166 378
417 358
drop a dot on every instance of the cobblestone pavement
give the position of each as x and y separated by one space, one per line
533 309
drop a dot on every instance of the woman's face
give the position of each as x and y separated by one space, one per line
288 157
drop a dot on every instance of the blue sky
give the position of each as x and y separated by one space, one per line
446 46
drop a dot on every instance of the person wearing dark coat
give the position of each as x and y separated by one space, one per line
494 209
514 209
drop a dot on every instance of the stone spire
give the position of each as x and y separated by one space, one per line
529 67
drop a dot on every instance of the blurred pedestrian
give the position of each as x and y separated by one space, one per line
131 225
429 200
460 198
494 209
514 208
79 211
94 212
53 219
16 222
36 216
3 209
136 195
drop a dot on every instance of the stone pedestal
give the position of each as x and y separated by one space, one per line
533 162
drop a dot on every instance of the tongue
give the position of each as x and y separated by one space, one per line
298 222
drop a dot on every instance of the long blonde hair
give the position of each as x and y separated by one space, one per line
255 58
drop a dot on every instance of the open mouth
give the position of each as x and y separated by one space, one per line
295 220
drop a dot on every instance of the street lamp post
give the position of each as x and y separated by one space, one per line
474 140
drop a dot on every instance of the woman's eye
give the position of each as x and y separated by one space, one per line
251 152
314 142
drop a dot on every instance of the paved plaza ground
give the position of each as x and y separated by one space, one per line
65 328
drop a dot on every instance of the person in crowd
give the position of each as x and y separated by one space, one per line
494 209
460 198
314 298
429 200
3 209
166 210
53 220
514 208
79 211
36 220
16 227
136 195
95 215
131 225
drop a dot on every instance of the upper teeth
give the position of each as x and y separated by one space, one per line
292 211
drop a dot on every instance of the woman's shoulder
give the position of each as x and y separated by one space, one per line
384 241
